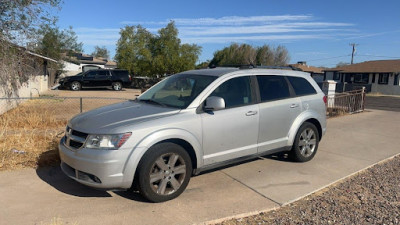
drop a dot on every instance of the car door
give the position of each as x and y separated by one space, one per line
103 78
278 110
231 132
89 78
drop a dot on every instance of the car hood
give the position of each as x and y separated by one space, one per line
114 118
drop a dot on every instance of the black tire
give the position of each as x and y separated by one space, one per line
306 142
116 86
76 86
170 178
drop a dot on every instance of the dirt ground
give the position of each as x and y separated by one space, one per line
370 197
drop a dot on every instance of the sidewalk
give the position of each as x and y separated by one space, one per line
352 143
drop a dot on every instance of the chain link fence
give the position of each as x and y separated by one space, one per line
61 108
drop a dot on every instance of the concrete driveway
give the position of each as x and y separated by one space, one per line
352 143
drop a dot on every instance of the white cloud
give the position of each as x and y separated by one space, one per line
281 28
228 20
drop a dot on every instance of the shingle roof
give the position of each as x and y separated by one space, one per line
307 68
377 66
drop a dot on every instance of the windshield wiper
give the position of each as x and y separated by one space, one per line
152 102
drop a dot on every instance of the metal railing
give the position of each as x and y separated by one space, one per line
346 102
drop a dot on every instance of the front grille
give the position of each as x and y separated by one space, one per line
74 139
79 134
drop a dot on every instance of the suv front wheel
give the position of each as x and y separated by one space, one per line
116 86
306 143
75 86
164 172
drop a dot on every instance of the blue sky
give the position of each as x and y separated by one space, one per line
317 31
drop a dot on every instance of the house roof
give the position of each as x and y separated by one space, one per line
41 56
88 59
111 63
376 66
307 68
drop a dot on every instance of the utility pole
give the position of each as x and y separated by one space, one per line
354 51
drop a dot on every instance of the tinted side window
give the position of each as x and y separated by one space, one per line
235 92
273 88
120 73
103 72
301 86
91 73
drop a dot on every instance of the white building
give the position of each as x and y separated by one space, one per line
379 76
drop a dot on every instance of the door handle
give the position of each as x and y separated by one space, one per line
294 106
251 113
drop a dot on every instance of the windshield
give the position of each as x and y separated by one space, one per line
177 91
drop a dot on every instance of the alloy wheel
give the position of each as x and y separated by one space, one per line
307 142
167 174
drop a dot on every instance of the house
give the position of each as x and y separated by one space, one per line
379 76
316 72
79 62
36 76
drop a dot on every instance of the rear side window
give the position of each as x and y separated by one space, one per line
120 73
273 88
301 86
102 72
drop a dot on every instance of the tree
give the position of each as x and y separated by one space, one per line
265 55
146 54
133 50
203 65
20 18
101 52
281 56
53 42
245 54
340 64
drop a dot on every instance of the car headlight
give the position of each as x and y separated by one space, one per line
110 142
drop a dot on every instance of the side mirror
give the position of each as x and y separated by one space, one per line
214 103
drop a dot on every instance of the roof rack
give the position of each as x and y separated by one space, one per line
251 66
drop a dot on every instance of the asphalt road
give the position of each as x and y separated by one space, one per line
388 103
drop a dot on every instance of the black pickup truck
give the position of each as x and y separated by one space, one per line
116 79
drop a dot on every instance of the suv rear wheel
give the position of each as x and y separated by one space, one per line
164 172
75 86
306 143
116 86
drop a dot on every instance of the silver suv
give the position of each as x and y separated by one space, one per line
191 122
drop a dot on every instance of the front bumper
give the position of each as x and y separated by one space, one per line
102 169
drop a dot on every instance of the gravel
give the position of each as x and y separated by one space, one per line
369 197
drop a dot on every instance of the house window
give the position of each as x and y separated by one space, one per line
361 78
336 76
383 78
396 79
373 78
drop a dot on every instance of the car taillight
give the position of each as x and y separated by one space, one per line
325 99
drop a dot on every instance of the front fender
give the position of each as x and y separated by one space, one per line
299 121
147 142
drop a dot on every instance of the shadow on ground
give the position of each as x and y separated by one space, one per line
50 172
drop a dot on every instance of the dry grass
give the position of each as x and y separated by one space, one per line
29 136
